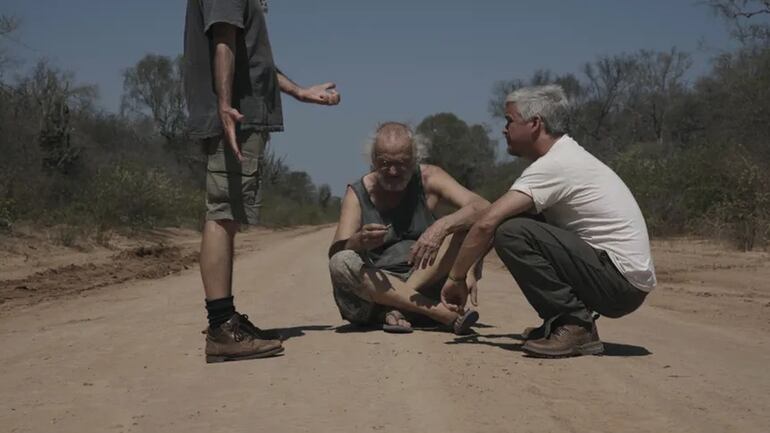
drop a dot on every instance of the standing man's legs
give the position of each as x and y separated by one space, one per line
233 197
564 279
216 264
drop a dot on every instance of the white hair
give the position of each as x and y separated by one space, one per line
419 143
549 102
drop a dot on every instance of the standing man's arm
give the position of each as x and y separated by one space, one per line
323 94
454 294
224 35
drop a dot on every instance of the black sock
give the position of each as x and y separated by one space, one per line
219 311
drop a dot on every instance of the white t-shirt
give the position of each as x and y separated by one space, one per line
577 192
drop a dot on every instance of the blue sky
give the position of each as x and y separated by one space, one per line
392 60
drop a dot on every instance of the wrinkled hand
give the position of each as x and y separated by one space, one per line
454 296
323 94
425 250
473 288
372 235
229 117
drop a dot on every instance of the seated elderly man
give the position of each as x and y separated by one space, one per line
390 255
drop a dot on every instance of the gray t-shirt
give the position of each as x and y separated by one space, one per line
256 93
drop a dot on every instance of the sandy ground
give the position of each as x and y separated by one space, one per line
100 356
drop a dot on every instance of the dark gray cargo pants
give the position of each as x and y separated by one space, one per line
562 276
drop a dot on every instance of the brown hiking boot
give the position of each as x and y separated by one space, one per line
262 334
234 340
533 333
566 340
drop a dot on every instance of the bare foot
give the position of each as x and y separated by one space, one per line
395 322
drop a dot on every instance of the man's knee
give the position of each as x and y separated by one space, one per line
512 234
346 267
228 225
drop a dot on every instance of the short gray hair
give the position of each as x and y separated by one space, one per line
419 143
549 102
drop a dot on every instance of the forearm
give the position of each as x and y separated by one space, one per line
476 244
354 243
289 87
463 218
224 68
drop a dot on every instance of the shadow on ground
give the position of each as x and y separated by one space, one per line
610 349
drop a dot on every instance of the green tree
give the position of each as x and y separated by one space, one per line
464 151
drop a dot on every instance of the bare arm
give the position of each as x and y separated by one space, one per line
350 235
481 233
223 35
323 94
469 204
477 242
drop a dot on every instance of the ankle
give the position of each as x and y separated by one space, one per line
219 311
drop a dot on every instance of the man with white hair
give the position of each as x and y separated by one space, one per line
390 255
592 255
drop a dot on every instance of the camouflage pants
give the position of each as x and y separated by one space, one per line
352 298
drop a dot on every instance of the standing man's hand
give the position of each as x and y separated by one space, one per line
229 117
454 295
323 94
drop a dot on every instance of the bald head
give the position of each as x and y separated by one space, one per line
393 138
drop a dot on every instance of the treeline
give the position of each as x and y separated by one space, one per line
694 152
67 163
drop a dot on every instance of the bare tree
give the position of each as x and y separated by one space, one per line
8 25
56 96
154 87
660 79
324 196
500 90
609 79
740 13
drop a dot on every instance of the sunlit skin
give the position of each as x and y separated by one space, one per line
518 132
393 164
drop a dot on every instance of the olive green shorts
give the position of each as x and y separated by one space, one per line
234 189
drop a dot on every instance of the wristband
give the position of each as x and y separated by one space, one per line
456 280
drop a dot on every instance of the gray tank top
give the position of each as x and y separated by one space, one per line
408 221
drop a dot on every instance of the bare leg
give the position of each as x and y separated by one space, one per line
216 258
406 296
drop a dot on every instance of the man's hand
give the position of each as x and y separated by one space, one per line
454 295
229 117
473 288
425 250
372 236
323 94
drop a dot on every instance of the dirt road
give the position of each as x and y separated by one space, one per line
128 357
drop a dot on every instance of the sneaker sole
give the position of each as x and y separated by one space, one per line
592 348
212 359
470 320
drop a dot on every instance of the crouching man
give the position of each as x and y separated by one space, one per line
592 255
390 255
